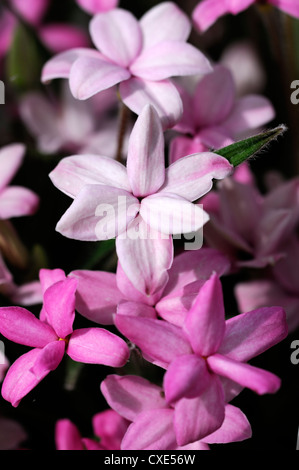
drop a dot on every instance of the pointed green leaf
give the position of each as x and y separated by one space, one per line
244 149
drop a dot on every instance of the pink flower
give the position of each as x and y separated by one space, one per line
51 336
108 426
206 360
155 424
140 56
97 6
141 204
217 123
15 201
208 11
100 295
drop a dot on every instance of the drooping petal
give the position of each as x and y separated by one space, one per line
196 418
191 177
163 95
207 12
59 306
258 380
48 359
130 395
171 214
207 110
250 334
16 201
97 295
234 428
152 430
186 377
159 341
98 346
20 379
67 436
145 161
117 35
169 59
90 75
73 173
98 213
11 157
20 326
145 256
164 22
205 322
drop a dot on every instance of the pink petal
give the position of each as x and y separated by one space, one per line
62 37
97 6
196 418
214 137
191 177
258 380
110 427
159 341
32 11
98 213
250 112
20 326
145 256
136 309
16 201
59 306
288 6
130 395
181 146
90 75
207 110
168 59
20 379
207 13
145 161
117 35
152 430
48 277
60 65
67 436
171 214
48 359
73 173
11 157
98 346
27 294
205 322
97 295
163 95
186 377
250 334
234 428
164 22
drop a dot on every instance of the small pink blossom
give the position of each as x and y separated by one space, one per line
140 56
208 11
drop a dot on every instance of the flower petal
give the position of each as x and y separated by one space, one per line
234 428
16 201
289 7
11 157
117 35
136 309
67 436
145 161
97 6
48 277
97 346
48 359
207 12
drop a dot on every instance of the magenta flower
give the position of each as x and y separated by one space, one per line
15 201
51 336
108 426
100 295
141 204
208 123
97 6
206 360
208 11
155 424
140 56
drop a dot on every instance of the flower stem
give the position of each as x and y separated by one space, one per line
123 121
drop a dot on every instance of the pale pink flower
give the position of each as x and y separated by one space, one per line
51 336
214 123
108 426
141 204
206 360
208 11
140 56
155 423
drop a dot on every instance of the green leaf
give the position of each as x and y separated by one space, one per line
244 149
103 249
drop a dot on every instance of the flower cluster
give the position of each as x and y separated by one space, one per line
145 141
